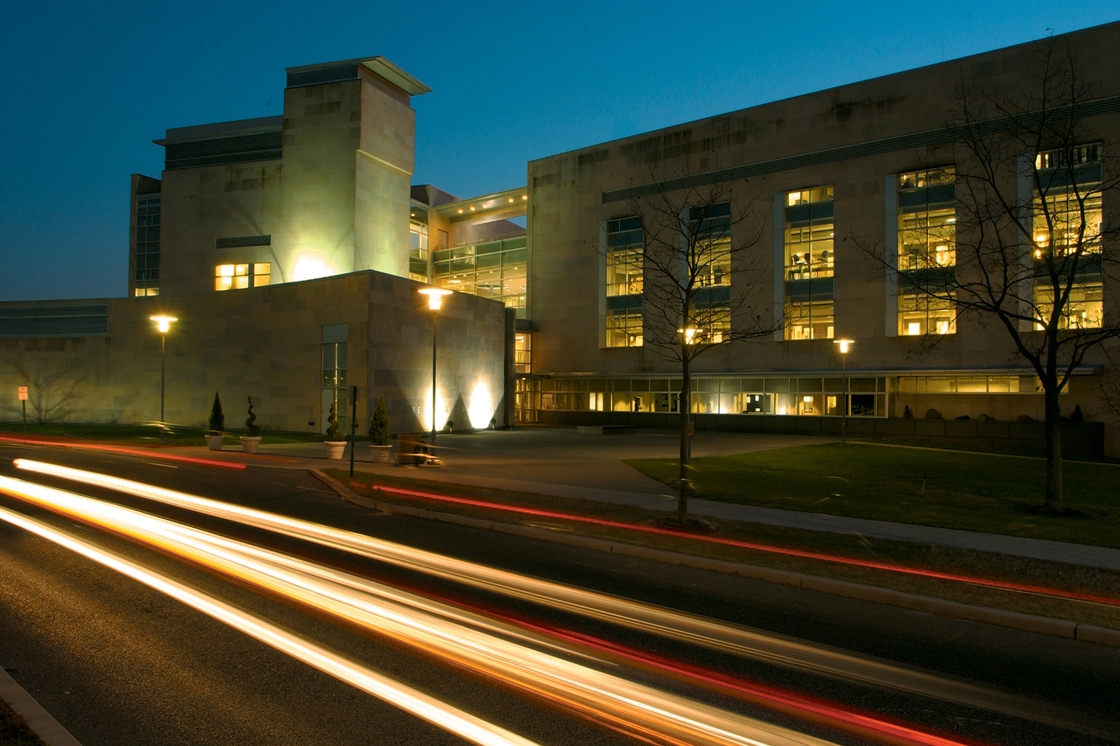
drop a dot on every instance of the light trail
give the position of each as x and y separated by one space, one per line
437 629
667 623
124 450
768 548
414 702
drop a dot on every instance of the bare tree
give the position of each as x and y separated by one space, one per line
1032 247
699 284
56 390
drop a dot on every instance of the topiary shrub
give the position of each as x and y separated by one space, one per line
332 425
217 418
251 427
379 432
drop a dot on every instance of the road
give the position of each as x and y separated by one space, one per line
118 662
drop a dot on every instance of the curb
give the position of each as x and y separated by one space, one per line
938 607
38 720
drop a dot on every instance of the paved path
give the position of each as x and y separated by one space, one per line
564 463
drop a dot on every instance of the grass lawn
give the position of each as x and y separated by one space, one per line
14 730
962 561
144 434
977 492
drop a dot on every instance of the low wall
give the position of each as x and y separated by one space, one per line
1079 439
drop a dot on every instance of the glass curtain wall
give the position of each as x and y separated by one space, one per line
1066 216
418 245
624 282
147 246
927 251
492 269
711 230
809 261
813 395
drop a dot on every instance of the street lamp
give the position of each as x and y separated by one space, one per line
845 345
435 300
688 337
163 325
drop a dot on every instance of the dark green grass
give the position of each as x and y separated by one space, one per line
14 730
976 492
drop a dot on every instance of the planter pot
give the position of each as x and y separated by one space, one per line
214 442
249 443
380 453
335 449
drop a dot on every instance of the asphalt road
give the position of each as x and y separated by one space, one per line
116 662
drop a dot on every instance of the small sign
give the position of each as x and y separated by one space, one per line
23 393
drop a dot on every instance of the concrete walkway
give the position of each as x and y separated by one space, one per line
564 463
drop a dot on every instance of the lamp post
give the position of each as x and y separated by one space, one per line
163 325
845 345
435 300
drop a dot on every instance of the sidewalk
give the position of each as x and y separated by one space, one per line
563 463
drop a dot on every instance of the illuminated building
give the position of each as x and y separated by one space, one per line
259 207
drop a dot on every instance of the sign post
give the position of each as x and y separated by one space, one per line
23 401
353 424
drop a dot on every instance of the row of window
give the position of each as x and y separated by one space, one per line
240 276
1067 219
146 255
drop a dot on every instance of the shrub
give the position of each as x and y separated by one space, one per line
332 425
217 419
933 414
251 427
379 426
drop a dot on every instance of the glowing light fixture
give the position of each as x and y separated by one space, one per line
845 346
435 300
163 325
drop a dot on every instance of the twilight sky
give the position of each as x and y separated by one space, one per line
87 86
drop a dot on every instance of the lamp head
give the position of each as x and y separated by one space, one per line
435 297
845 345
689 334
163 323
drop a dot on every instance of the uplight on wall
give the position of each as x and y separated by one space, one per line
480 408
310 266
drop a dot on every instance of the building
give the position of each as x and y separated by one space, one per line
802 194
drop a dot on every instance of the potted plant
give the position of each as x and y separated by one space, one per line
251 440
214 434
335 441
379 434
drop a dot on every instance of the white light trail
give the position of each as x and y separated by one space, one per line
656 620
667 623
430 626
421 705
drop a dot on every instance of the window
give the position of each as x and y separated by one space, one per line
809 260
238 276
927 251
1066 224
624 282
493 269
334 365
417 250
710 314
523 353
147 246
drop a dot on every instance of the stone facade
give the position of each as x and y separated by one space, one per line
268 343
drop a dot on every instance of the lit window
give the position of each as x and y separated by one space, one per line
809 261
240 276
624 259
1067 236
927 251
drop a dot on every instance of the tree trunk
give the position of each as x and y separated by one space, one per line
684 405
1053 450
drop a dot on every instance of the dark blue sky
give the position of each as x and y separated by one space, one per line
86 87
